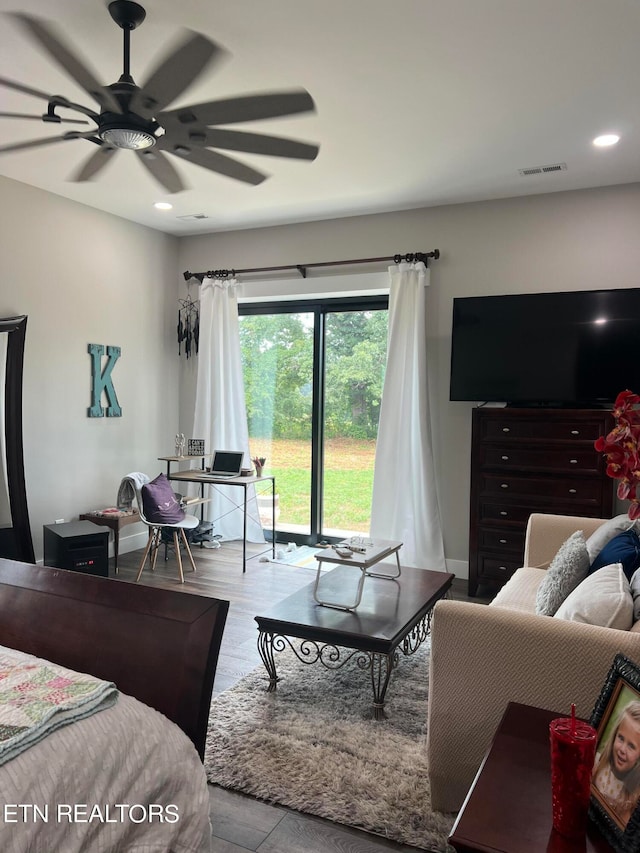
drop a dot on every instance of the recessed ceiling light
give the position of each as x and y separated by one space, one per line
600 321
163 205
606 139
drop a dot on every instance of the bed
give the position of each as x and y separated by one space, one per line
128 777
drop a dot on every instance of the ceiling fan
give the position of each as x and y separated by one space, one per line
135 118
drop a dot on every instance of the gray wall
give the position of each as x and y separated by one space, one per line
83 277
562 241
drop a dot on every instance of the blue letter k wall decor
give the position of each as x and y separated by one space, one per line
101 381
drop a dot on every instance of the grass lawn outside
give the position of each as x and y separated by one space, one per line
348 480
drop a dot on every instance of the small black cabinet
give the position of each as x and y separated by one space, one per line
78 546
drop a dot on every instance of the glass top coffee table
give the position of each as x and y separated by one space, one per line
394 616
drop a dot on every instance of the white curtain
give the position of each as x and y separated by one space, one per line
405 503
220 415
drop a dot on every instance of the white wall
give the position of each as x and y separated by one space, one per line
562 241
83 277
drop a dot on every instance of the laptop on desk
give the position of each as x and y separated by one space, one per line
225 464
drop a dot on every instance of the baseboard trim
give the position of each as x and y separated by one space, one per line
460 568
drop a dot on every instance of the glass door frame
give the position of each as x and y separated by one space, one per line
319 307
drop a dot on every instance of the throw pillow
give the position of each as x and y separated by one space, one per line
606 532
603 598
159 503
623 548
567 569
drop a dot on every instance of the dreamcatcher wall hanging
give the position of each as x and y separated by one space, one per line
188 326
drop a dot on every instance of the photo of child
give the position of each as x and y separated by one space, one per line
616 773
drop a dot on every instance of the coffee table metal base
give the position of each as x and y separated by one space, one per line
379 665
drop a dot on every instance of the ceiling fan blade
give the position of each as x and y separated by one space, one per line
44 34
93 164
215 162
58 120
46 140
258 143
162 170
244 108
175 73
20 87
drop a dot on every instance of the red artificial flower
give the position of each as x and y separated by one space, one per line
621 448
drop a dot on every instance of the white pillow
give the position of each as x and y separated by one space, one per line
605 533
567 569
604 598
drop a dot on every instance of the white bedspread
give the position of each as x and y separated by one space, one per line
124 780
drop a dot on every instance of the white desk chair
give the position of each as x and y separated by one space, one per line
189 522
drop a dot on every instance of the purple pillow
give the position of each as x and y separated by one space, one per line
159 502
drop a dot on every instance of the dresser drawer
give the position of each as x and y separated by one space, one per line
503 512
560 460
492 568
540 430
551 489
502 540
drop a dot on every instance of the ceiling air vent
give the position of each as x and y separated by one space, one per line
541 170
193 216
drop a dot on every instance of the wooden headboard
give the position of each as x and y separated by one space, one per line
155 644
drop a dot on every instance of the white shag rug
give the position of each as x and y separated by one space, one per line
313 745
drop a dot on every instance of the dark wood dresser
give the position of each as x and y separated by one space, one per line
524 461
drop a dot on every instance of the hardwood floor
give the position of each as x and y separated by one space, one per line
239 822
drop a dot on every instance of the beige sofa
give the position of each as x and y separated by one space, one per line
483 657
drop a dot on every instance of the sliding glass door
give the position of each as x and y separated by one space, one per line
313 375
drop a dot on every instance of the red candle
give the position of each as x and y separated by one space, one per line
573 749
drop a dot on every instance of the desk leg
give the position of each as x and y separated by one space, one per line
244 531
116 538
273 517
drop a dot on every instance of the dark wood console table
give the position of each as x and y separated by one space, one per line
508 809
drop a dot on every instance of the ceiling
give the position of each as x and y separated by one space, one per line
419 102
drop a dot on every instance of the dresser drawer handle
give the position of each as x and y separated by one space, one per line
575 432
506 429
504 458
502 541
504 485
573 491
502 568
503 512
573 461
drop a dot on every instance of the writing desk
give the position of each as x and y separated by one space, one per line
200 476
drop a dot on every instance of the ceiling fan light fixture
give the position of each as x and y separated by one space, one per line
124 137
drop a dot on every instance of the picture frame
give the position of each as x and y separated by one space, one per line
195 447
615 782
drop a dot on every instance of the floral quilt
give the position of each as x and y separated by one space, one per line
37 697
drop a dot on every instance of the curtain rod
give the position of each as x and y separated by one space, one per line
302 268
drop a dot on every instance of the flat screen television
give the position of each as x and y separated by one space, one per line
577 348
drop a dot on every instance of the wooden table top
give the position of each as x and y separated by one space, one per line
387 612
508 809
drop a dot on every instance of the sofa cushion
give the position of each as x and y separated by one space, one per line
159 502
606 532
567 569
624 548
603 598
519 592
